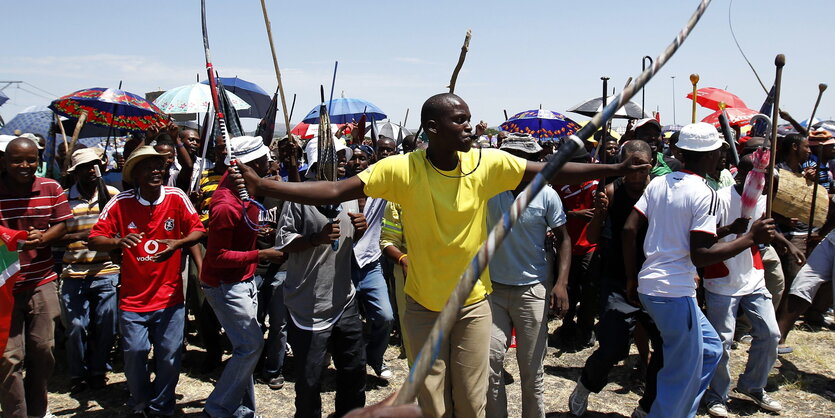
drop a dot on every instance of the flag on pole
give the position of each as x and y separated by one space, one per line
266 128
9 266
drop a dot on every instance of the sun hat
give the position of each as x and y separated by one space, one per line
84 156
312 151
247 148
699 137
821 138
139 154
521 142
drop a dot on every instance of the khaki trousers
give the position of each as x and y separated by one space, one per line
457 384
31 341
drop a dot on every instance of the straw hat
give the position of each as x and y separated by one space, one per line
139 154
84 156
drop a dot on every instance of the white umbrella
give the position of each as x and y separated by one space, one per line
389 129
193 98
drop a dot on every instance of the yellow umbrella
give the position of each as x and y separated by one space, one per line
591 139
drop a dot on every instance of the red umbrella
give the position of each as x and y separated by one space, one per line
736 116
310 130
710 97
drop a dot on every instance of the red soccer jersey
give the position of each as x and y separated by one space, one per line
578 198
46 205
147 285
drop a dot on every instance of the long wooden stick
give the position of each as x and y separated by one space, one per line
821 88
63 134
464 49
694 78
78 125
277 71
449 315
779 62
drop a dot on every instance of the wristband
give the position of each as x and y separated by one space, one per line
401 258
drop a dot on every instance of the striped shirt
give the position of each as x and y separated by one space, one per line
79 261
208 184
44 206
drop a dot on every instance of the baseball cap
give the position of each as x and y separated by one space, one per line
699 137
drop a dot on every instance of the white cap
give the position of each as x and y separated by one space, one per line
4 140
699 137
33 138
312 151
247 148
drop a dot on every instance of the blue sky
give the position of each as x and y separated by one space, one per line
397 53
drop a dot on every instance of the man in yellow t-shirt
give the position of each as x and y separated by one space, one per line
443 191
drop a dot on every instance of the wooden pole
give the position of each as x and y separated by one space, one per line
464 49
821 88
277 71
779 62
78 125
63 134
694 78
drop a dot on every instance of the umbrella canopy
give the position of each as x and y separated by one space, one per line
257 99
346 110
3 98
541 124
594 105
33 119
827 125
110 107
710 97
193 98
736 116
591 139
391 130
310 130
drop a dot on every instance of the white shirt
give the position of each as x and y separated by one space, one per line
742 274
675 205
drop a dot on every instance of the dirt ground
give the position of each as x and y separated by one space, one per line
804 382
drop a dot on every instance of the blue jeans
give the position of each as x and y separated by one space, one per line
90 319
722 312
373 294
271 296
163 329
236 307
691 349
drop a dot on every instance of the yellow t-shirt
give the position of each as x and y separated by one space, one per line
444 219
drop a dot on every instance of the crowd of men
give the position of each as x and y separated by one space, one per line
651 247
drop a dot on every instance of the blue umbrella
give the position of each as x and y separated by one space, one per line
251 93
541 124
33 119
346 110
3 98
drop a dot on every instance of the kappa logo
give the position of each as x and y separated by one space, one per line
169 224
131 225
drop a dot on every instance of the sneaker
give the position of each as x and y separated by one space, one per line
276 383
47 415
746 339
762 400
384 373
784 350
579 400
717 409
639 412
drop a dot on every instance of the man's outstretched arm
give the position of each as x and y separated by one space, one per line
306 193
576 173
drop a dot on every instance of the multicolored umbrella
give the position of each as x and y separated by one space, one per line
346 110
710 97
541 124
111 107
193 98
33 119
736 116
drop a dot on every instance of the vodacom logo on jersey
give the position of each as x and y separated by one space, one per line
151 247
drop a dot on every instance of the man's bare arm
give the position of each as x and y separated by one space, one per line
576 173
306 193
